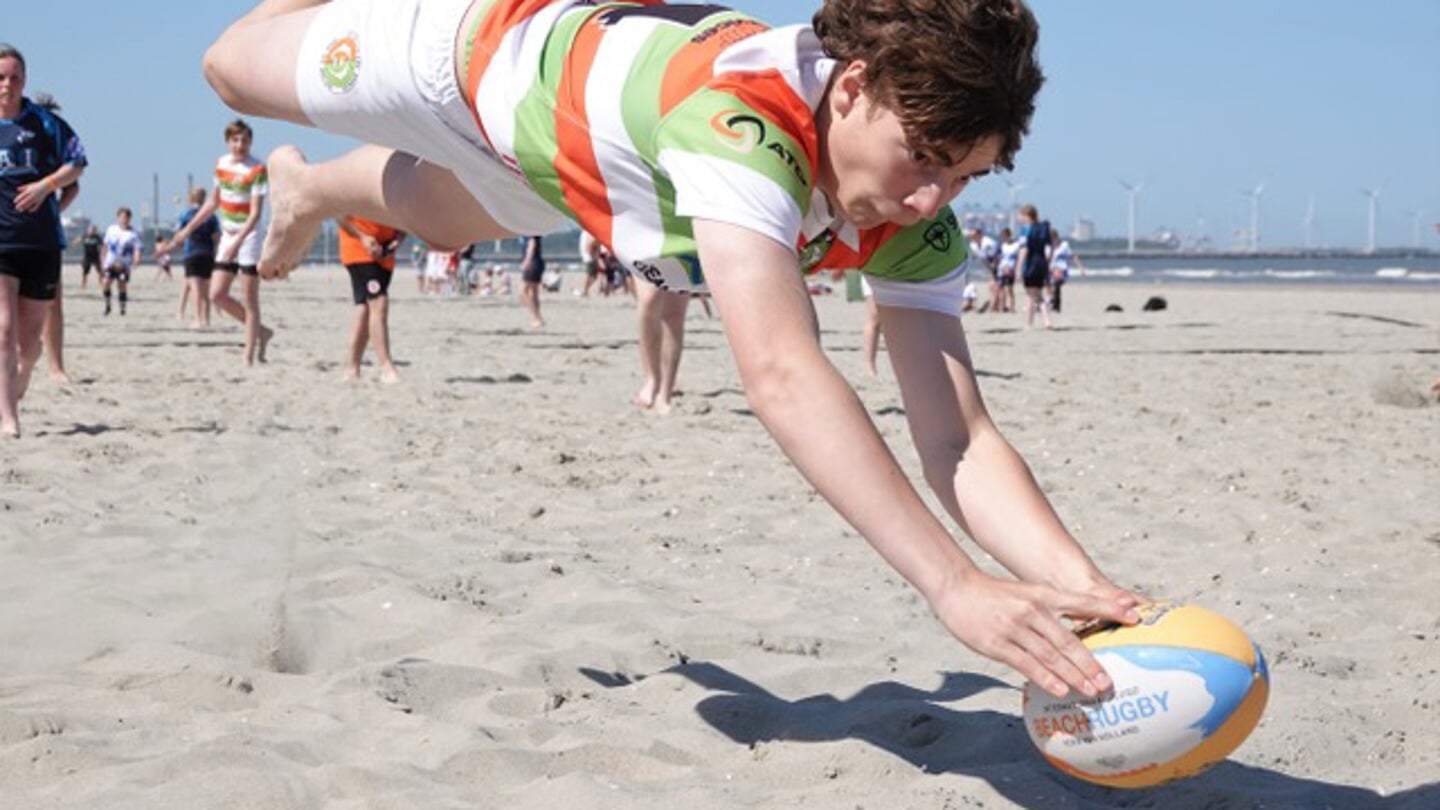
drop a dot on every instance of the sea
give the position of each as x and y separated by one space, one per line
1394 271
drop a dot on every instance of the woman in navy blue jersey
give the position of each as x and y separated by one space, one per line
39 155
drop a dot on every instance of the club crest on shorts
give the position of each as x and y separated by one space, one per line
340 64
372 287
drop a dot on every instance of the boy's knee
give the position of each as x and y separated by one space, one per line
224 72
30 347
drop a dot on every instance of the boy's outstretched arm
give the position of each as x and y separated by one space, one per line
824 429
979 477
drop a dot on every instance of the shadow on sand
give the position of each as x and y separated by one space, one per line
911 724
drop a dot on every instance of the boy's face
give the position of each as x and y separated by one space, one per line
874 175
123 218
239 144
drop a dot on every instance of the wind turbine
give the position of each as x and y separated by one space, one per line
1373 194
1254 195
1132 190
1309 222
1012 191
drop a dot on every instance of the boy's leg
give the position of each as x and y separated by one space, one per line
257 334
202 301
221 298
380 337
262 86
359 333
648 313
870 337
672 345
372 182
530 295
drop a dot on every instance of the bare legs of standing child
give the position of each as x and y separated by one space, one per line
662 339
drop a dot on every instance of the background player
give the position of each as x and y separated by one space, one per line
42 155
238 200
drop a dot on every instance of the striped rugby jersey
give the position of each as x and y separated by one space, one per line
238 182
634 118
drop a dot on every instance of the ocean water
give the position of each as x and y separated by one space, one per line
1387 271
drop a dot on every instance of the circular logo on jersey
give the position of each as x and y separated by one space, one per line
340 65
738 131
372 287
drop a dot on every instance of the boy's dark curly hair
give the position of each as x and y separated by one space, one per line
953 71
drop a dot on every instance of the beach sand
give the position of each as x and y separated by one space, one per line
498 585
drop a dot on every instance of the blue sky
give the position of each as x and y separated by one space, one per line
1199 100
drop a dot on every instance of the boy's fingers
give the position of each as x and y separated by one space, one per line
1083 606
1065 661
1027 665
1074 655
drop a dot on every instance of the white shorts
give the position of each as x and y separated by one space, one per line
945 295
391 82
249 253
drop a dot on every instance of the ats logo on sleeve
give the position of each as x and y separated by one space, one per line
738 131
340 65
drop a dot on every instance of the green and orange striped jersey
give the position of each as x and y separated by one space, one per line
635 118
238 183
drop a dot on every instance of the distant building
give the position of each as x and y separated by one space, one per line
1084 230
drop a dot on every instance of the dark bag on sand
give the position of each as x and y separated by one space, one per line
1155 304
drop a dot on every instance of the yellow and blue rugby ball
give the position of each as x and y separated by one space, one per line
1189 688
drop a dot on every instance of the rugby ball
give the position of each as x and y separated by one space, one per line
1189 688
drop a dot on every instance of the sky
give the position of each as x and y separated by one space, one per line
1198 101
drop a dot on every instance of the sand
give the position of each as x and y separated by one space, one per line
496 584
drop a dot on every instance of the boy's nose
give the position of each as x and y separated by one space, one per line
926 200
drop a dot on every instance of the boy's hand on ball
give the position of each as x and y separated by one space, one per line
1101 588
1019 624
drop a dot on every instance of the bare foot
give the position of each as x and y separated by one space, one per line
537 324
352 374
293 223
644 399
59 377
10 430
265 334
389 375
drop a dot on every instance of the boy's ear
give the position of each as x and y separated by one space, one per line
848 87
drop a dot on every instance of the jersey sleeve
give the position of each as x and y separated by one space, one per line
924 251
730 163
261 187
71 150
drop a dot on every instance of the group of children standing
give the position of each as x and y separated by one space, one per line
1039 256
